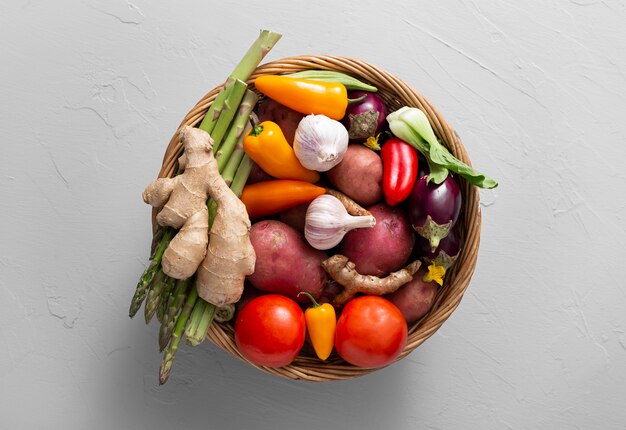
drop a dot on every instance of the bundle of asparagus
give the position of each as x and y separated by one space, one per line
175 302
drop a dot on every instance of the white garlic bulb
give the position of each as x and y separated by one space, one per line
320 142
327 222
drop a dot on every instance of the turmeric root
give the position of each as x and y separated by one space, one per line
184 205
343 272
230 256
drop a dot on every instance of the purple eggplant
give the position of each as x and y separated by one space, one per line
422 165
446 253
434 209
364 118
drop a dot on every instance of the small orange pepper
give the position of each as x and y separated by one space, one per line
306 96
321 323
266 145
271 197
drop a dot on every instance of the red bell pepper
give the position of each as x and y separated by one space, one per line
399 170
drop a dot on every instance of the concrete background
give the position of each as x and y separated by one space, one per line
91 93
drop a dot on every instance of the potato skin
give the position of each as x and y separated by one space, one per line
286 118
359 175
295 217
415 298
285 263
381 249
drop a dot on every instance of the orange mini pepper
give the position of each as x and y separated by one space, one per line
266 145
271 197
321 323
306 96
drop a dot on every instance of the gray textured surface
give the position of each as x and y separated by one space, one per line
91 93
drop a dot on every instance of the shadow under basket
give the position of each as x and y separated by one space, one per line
395 94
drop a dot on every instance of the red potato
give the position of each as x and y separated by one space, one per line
294 217
285 263
415 298
381 249
287 119
359 175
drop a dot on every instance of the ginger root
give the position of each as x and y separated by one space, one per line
352 207
344 273
184 205
230 256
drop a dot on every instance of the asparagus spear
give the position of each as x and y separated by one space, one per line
173 308
237 129
181 322
199 322
148 275
154 293
228 112
164 298
264 43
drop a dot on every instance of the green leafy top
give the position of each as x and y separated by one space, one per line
412 126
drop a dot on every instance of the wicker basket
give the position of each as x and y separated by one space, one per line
396 94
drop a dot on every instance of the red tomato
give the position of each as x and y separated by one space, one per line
371 332
269 330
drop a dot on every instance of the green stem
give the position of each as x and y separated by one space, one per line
230 170
215 110
259 49
237 129
148 275
358 99
241 177
225 313
179 328
348 81
264 43
152 299
314 302
164 298
173 308
201 318
231 104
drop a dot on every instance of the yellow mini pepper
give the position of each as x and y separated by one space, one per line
321 322
267 146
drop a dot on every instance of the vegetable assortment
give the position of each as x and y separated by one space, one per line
371 199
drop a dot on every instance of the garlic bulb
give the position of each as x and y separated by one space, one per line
320 142
327 222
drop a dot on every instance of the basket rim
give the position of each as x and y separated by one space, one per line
447 299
